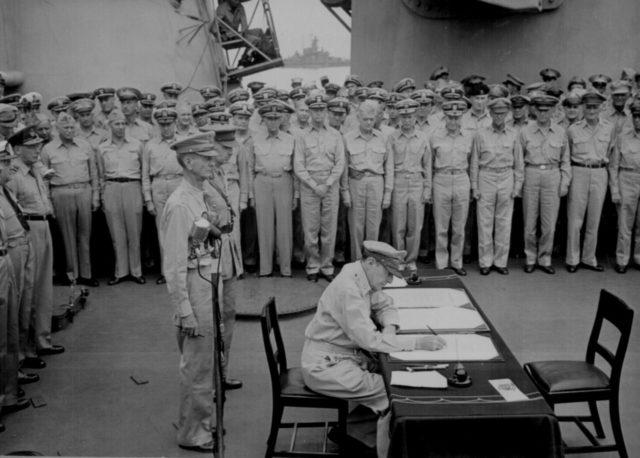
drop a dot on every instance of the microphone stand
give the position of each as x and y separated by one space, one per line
218 359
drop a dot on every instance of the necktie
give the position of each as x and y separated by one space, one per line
14 205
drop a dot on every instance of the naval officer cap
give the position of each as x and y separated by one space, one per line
339 105
12 99
425 96
220 117
592 98
331 89
225 134
172 88
297 94
452 92
599 80
214 105
620 88
165 115
83 106
385 254
361 92
296 81
255 86
210 91
455 108
518 101
407 106
59 104
241 108
271 110
25 137
104 92
147 99
573 98
544 101
316 102
167 104
238 95
265 95
513 81
201 144
499 105
378 94
394 97
376 83
405 84
8 115
474 89
79 95
549 74
198 109
353 79
439 72
576 81
128 93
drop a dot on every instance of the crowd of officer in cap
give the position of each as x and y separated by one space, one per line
311 173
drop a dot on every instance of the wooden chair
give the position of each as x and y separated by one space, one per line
581 381
288 390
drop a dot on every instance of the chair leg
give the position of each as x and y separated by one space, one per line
343 412
597 423
276 417
614 413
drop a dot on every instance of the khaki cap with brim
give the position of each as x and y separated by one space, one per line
201 144
385 254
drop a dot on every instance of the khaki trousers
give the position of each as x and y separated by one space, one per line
73 215
9 339
494 210
123 210
586 195
233 188
161 190
540 200
274 203
450 207
42 304
407 214
21 254
320 223
628 215
228 315
365 213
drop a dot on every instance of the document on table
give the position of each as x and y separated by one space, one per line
508 390
459 347
443 319
397 282
428 297
425 379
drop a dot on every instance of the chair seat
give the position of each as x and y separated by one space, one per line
293 386
564 376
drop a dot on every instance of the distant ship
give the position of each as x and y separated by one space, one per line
314 57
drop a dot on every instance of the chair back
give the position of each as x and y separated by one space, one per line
614 310
276 357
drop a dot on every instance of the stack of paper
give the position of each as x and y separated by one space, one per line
428 297
459 347
425 379
449 319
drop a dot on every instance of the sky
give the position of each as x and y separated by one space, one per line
296 21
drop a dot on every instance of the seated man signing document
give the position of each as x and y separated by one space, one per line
350 314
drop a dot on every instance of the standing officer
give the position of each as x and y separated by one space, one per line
318 164
624 182
367 181
409 147
120 160
497 173
82 110
161 173
75 194
134 126
271 189
187 265
450 149
107 101
547 176
184 123
590 142
424 97
393 117
147 102
617 113
31 194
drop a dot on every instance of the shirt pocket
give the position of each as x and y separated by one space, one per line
356 155
554 147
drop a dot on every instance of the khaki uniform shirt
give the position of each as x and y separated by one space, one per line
319 157
411 154
158 159
625 155
12 229
270 155
473 122
95 136
539 147
30 191
139 130
590 145
121 161
450 150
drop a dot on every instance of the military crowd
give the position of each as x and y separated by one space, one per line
311 173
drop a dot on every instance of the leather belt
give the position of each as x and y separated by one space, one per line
360 174
451 171
168 176
331 348
84 184
598 165
542 166
36 217
630 169
408 175
123 180
273 174
497 169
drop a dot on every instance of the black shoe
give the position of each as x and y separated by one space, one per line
52 350
528 268
88 282
547 269
17 407
596 268
459 271
621 269
250 268
466 259
61 280
161 280
21 393
485 271
204 448
426 259
232 384
139 280
34 363
25 379
572 269
328 277
115 281
285 275
312 277
266 275
501 270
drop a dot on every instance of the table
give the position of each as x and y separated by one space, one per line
473 421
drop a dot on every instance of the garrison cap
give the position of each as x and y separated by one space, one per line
128 93
498 91
166 104
79 95
104 92
25 137
339 105
477 89
165 115
543 100
549 74
499 104
201 144
439 72
354 79
264 95
297 94
8 114
198 109
296 81
225 135
385 254
599 79
255 86
331 88
83 105
210 91
220 117
573 98
620 87
592 98
455 108
65 120
405 84
513 80
12 99
241 108
282 94
147 99
377 83
238 95
115 115
6 152
452 92
172 88
423 96
317 102
58 104
378 94
272 109
361 92
634 108
518 100
394 97
214 104
576 81
407 106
